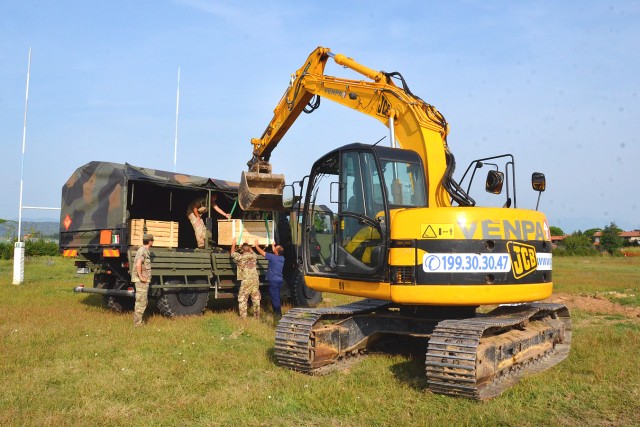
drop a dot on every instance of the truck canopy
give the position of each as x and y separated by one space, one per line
103 195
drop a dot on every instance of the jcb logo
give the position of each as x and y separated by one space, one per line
523 259
384 106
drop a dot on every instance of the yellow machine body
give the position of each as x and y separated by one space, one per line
449 226
407 237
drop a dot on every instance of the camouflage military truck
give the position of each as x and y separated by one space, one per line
106 207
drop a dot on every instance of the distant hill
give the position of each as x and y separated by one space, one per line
47 228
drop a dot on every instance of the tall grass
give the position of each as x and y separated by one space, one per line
67 361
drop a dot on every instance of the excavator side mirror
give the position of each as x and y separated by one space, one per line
494 182
538 181
289 198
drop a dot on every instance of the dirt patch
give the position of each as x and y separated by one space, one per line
594 304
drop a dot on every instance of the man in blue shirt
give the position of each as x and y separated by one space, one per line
274 275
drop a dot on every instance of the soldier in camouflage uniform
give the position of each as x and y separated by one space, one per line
141 277
248 275
196 209
194 213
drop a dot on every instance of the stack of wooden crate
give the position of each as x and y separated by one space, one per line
247 231
165 233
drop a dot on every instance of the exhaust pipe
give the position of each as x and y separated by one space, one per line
109 292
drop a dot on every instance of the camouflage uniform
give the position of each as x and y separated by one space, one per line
250 282
197 222
142 283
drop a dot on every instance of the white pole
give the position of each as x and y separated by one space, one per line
41 208
18 250
24 143
175 145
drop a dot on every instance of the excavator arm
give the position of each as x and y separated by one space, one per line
413 125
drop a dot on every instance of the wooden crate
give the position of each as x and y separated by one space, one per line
247 231
165 233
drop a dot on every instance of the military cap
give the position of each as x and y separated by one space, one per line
147 237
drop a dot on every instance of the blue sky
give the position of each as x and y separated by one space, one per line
554 83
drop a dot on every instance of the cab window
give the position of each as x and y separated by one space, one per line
404 183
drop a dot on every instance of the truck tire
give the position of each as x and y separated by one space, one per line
119 304
184 302
302 295
116 304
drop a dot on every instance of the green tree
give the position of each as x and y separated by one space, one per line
319 222
556 231
611 240
578 244
10 227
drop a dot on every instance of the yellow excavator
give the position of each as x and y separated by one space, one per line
409 239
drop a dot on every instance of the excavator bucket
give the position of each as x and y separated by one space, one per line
261 191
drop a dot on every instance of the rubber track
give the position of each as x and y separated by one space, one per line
293 348
451 352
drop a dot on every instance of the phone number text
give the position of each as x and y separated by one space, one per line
466 263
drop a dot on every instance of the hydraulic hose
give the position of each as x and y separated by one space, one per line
453 188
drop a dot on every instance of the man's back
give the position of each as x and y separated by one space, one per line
274 269
247 263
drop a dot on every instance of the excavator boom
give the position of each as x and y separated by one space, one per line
413 125
259 188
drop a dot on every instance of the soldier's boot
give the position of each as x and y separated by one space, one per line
137 319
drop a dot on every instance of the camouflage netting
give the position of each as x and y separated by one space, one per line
98 195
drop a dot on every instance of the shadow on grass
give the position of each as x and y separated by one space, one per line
221 304
411 372
271 356
92 300
215 305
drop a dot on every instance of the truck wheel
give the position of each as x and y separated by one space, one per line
185 302
119 304
302 295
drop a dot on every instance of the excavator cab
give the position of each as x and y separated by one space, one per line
359 184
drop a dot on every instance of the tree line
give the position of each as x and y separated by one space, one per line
33 247
581 243
39 247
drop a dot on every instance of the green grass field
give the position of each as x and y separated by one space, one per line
67 361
